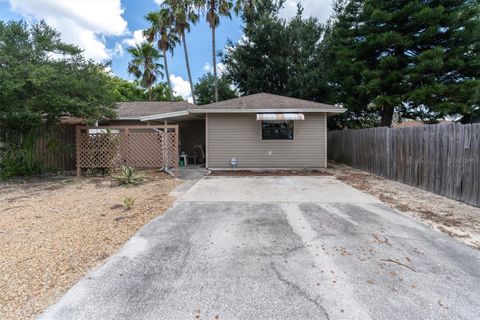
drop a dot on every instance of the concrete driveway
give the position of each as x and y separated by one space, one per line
280 248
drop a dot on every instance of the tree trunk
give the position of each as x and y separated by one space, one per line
387 116
187 63
214 55
167 74
149 91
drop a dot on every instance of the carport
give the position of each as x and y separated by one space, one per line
191 133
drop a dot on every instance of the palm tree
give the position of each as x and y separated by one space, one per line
214 10
144 65
247 6
162 30
181 13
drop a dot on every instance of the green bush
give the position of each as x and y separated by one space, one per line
20 161
128 176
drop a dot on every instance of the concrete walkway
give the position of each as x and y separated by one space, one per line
280 248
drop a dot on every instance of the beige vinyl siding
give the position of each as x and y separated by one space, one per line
239 136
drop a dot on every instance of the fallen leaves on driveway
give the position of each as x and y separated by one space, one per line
457 219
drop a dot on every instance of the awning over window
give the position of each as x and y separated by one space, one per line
279 116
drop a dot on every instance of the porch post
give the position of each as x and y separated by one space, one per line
77 150
165 152
176 150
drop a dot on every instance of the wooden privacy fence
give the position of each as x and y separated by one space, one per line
444 159
53 147
138 146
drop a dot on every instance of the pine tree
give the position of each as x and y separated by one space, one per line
343 67
420 58
445 65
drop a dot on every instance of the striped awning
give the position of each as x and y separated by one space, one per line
279 116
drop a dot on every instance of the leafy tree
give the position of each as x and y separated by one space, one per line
132 91
205 89
144 65
162 30
161 92
278 56
180 14
127 90
43 79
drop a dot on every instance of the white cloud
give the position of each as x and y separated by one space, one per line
159 2
81 22
181 87
118 50
322 9
209 68
109 70
137 38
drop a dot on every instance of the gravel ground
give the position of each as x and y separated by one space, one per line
457 219
52 231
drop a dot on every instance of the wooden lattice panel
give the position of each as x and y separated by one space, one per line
171 146
138 146
144 150
99 150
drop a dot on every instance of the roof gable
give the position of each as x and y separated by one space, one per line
260 102
266 101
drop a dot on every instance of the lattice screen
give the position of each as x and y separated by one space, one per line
138 146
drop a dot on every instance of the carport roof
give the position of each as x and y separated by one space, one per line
139 109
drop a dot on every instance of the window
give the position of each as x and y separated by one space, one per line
277 130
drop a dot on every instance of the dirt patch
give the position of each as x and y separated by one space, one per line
244 173
457 219
52 231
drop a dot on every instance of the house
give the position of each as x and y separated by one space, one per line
258 131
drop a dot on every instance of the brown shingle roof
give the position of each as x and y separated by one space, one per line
268 101
148 108
259 101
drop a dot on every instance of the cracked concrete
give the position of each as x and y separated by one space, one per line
280 248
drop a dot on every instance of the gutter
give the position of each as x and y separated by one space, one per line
174 114
316 110
165 115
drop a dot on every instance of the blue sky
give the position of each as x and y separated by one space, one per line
106 28
198 40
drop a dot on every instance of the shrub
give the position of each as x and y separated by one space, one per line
20 160
128 202
128 176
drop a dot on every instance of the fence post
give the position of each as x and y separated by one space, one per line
77 149
176 156
127 148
